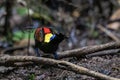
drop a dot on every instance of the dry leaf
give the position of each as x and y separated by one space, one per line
115 16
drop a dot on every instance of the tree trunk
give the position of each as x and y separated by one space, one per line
7 27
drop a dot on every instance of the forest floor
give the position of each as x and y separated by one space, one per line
108 65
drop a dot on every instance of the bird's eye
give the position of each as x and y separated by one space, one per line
41 33
40 36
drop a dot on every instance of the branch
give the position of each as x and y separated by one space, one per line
109 33
88 50
102 53
13 49
55 63
80 52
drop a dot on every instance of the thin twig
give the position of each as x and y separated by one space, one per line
102 53
12 49
110 34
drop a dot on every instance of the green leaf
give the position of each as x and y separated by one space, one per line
32 77
94 34
22 11
18 35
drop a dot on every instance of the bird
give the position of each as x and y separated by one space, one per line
47 39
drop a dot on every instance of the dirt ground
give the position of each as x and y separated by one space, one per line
108 65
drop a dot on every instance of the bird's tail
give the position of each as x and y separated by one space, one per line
59 38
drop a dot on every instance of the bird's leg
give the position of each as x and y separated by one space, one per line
37 52
55 55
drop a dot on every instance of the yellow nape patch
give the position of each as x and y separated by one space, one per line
47 37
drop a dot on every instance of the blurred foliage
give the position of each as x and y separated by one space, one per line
40 11
92 11
18 35
94 34
22 11
32 77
